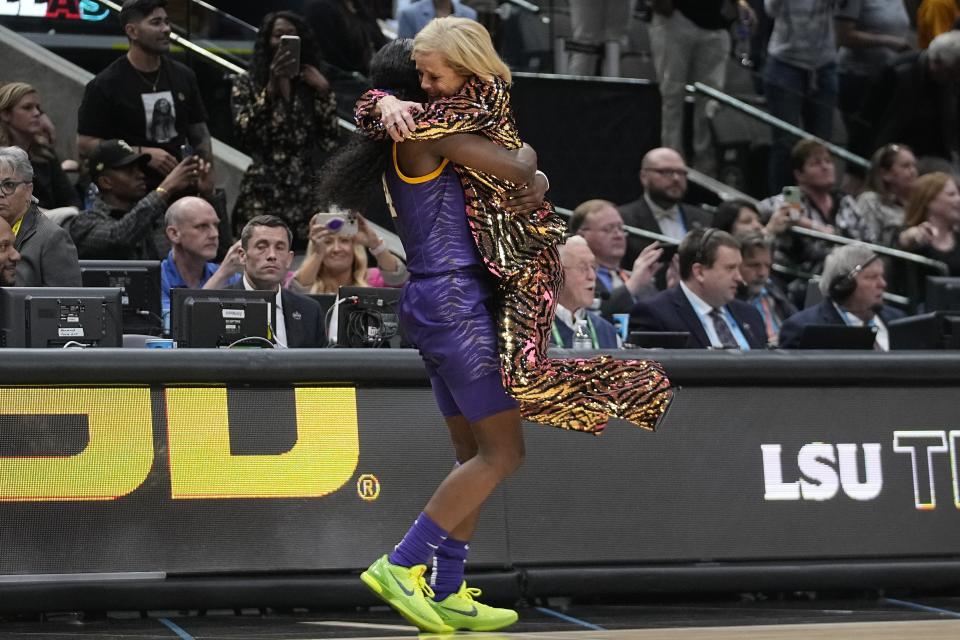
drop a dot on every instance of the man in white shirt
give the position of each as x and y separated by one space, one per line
663 174
266 258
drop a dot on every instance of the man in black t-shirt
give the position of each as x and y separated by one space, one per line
145 97
690 43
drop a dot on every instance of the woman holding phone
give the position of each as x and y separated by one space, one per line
285 119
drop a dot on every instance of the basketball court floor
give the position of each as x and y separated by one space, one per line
794 617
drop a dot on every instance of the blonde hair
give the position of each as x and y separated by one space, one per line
11 94
925 189
465 45
358 276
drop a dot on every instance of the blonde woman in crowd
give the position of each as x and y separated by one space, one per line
335 260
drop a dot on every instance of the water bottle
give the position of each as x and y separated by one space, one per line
91 193
581 336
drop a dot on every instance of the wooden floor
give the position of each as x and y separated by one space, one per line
907 630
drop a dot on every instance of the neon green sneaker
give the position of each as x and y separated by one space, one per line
406 590
460 611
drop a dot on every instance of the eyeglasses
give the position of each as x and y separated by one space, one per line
7 187
668 173
607 230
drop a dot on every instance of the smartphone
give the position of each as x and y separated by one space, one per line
291 44
791 198
340 223
187 150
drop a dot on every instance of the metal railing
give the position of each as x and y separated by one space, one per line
763 116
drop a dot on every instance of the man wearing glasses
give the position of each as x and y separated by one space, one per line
48 257
660 209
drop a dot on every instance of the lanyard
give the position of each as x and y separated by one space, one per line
594 342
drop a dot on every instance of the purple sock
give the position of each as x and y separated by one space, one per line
448 565
420 543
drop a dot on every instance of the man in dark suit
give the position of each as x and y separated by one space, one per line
853 285
660 209
266 257
758 290
599 223
704 304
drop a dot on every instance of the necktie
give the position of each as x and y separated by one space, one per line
723 330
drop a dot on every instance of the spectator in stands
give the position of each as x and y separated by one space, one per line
738 217
852 285
690 43
334 260
22 125
933 220
660 209
285 119
758 289
893 170
191 225
822 208
935 17
9 256
915 102
599 27
266 256
47 255
119 103
600 224
416 15
704 304
800 77
575 324
347 32
870 33
125 221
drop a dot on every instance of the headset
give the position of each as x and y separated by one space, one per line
842 287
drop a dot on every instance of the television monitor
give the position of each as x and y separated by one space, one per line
222 318
837 336
57 316
367 317
943 294
935 330
139 282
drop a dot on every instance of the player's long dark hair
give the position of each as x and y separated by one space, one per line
263 53
351 178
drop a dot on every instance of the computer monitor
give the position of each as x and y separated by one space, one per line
222 318
936 330
139 282
659 339
943 294
837 336
57 316
367 317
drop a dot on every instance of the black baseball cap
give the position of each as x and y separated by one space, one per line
113 154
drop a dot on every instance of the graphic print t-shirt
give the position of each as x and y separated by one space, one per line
121 102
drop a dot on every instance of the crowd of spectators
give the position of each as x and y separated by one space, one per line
143 134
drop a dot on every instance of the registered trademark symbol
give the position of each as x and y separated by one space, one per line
368 487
